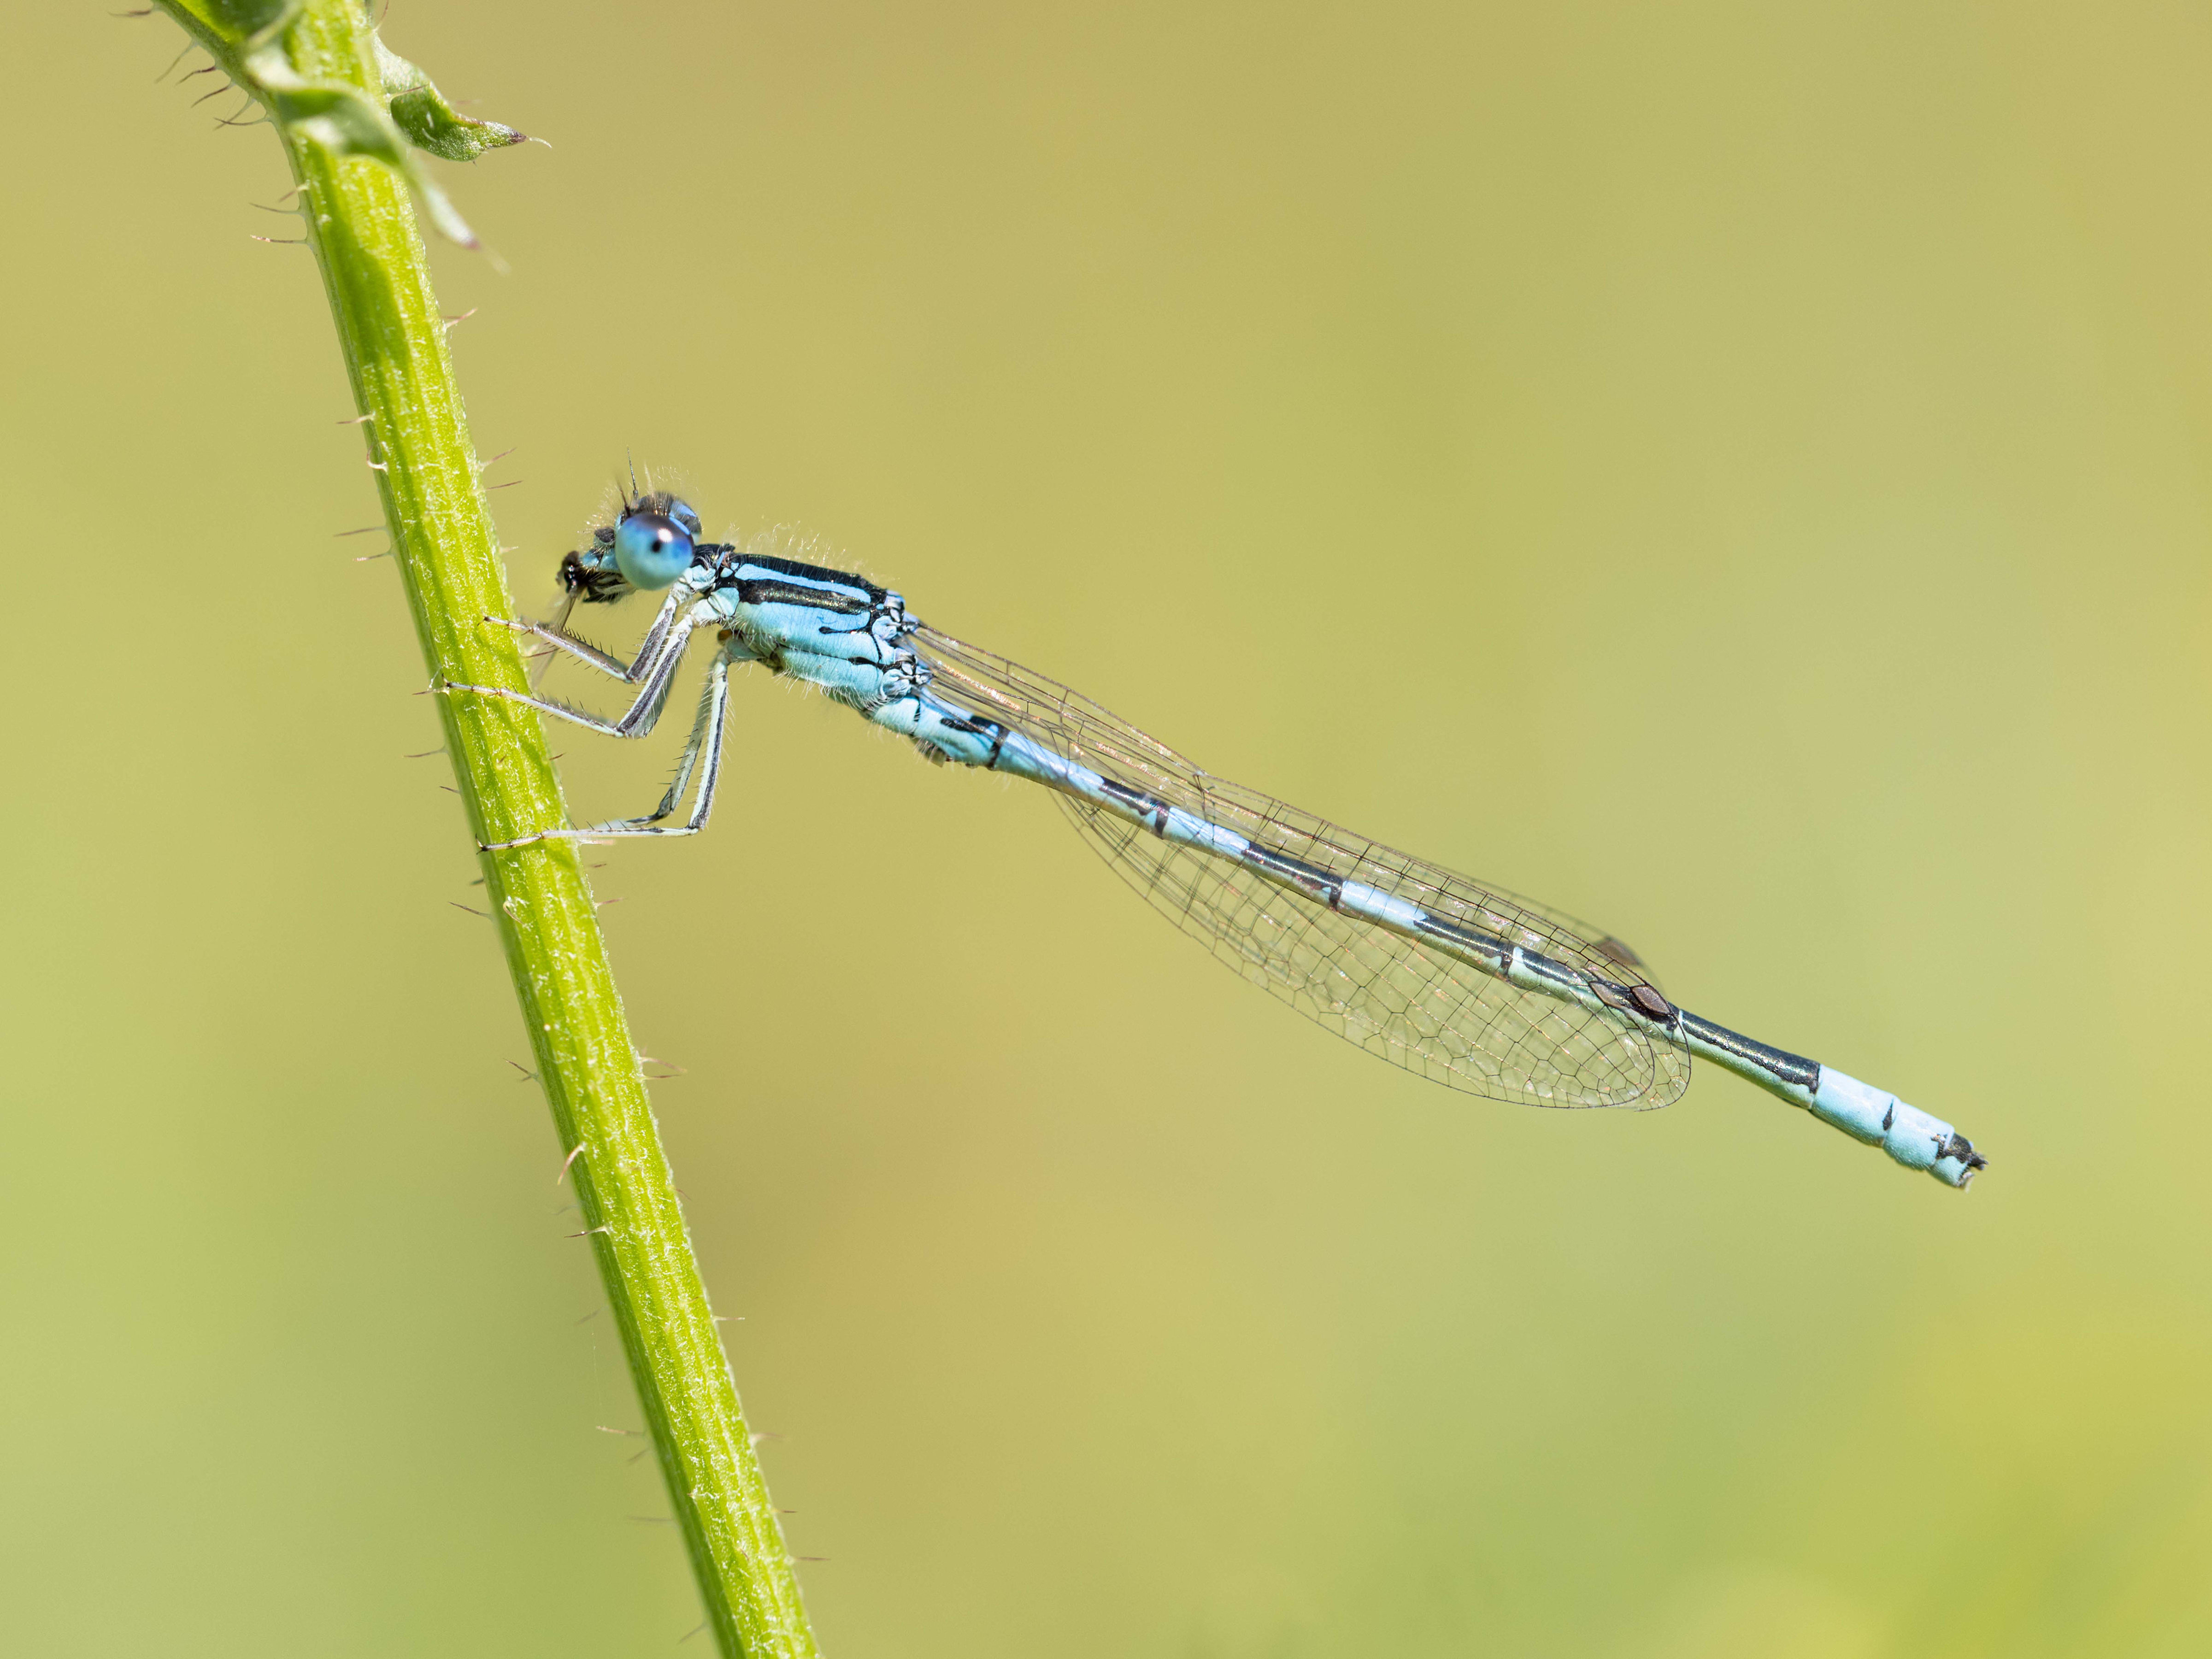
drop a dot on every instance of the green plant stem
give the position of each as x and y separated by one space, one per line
362 226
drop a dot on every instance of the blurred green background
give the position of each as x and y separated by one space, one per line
1737 472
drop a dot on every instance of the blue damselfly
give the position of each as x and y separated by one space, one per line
1454 980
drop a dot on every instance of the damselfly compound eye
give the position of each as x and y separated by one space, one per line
651 551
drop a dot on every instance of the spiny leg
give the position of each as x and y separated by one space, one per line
629 672
642 715
702 753
583 650
706 737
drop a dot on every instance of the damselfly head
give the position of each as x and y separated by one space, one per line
652 540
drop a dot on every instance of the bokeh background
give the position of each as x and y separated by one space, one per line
1737 472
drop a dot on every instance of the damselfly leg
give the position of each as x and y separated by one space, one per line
656 668
585 651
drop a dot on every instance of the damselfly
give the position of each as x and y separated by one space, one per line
1456 981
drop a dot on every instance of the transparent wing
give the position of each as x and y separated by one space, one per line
1432 1014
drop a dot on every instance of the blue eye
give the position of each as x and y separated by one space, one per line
651 551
